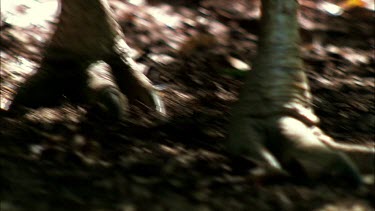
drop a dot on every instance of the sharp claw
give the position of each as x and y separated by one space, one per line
158 102
326 164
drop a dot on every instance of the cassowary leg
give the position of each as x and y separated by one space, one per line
49 85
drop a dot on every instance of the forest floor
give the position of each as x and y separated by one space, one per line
196 52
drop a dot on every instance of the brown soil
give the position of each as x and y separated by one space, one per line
63 159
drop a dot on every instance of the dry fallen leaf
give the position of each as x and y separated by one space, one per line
348 4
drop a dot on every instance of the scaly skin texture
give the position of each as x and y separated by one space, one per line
86 32
106 100
273 123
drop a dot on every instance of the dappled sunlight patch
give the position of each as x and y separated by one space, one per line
162 58
354 56
50 116
28 13
343 204
14 71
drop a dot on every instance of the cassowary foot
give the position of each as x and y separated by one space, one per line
128 81
315 157
108 103
135 85
294 147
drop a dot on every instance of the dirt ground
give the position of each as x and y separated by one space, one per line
196 53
